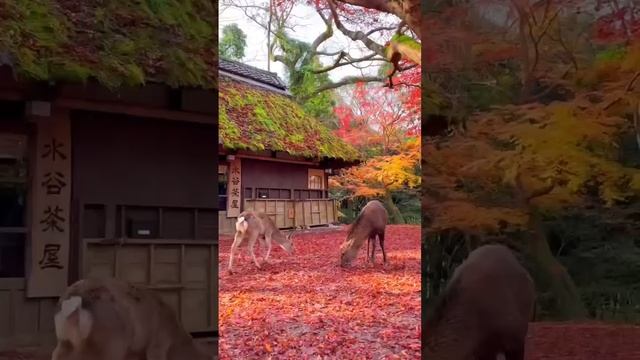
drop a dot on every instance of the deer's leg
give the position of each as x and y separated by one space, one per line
384 253
252 242
237 240
267 240
368 256
373 249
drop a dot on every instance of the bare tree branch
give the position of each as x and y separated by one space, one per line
354 35
350 81
382 28
409 11
337 62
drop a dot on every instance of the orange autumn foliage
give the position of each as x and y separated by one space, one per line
382 174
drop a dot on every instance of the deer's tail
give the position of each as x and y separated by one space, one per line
241 224
73 323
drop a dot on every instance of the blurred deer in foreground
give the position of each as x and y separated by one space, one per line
484 311
253 225
107 319
371 222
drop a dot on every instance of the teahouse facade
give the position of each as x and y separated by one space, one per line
273 158
104 176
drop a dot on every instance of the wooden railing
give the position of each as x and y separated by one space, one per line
296 213
282 193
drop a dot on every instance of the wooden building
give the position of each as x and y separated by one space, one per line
107 158
273 158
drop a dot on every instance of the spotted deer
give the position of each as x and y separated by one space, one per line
108 319
253 225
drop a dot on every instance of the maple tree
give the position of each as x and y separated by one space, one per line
539 99
306 306
381 176
369 116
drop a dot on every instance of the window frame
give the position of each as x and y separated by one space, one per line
319 173
23 154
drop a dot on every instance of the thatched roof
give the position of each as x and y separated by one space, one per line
256 113
114 42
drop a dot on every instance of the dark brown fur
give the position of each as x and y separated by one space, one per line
484 311
370 223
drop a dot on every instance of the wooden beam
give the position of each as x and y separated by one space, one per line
137 111
277 160
10 94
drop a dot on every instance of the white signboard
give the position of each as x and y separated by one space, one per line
234 188
51 191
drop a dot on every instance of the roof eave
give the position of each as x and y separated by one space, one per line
254 82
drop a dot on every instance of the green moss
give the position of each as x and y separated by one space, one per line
256 119
116 42
406 40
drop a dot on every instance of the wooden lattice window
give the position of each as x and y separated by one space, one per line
13 194
223 181
316 179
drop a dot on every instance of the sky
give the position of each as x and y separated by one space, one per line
308 26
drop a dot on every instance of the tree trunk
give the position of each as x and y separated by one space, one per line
548 273
433 260
551 276
395 217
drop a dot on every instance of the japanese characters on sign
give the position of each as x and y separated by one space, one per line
234 188
50 224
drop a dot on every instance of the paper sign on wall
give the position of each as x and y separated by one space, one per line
51 194
235 186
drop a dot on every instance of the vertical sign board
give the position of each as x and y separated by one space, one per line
235 184
51 194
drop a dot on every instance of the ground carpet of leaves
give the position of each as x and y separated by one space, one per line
548 341
305 306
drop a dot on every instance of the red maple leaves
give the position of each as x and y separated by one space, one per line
306 306
582 342
379 115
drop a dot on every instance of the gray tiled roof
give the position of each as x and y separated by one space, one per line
253 73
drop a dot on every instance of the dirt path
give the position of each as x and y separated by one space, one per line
306 306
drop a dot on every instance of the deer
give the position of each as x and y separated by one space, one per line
370 223
484 311
109 319
253 225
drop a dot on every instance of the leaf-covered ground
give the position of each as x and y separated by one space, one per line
549 341
305 306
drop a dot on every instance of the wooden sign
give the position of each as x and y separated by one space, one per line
51 189
234 188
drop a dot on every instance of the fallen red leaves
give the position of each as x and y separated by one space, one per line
582 342
306 306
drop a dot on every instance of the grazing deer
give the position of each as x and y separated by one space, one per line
107 319
252 225
371 222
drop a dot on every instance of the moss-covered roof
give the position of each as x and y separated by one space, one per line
254 118
118 42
